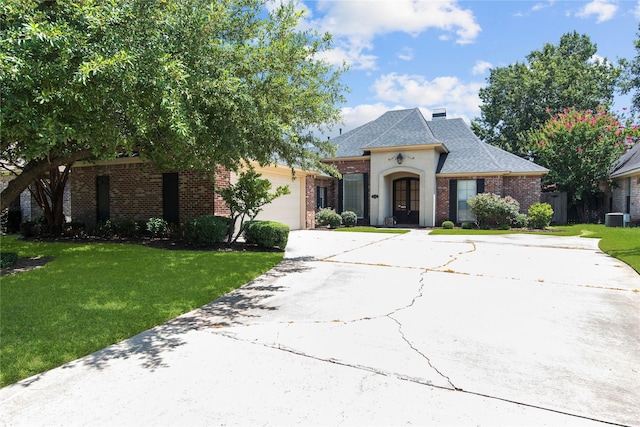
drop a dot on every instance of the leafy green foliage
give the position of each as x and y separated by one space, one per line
186 84
493 210
267 234
448 225
328 217
157 227
580 148
7 259
631 81
467 225
246 199
206 230
517 98
349 218
521 220
540 215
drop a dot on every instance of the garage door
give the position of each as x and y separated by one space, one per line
286 209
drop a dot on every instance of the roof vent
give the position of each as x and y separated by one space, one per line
439 113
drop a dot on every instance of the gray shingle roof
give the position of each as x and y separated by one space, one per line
628 163
405 128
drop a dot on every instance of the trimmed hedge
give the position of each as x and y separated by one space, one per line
328 217
540 215
207 230
8 259
267 234
447 225
349 218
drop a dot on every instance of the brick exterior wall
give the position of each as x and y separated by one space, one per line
310 201
135 192
525 189
619 198
347 167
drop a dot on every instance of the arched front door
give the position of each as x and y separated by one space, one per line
406 200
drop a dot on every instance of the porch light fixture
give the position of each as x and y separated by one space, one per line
399 158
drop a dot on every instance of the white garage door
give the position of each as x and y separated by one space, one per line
287 209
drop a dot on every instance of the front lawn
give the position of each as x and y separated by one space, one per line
92 295
365 229
621 243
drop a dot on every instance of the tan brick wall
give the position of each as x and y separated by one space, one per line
135 192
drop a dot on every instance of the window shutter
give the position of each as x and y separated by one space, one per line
453 200
480 185
318 197
340 195
365 184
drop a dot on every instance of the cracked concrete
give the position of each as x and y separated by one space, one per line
372 329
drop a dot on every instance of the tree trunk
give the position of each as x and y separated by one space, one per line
32 171
49 193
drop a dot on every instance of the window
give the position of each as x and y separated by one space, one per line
466 190
321 197
353 193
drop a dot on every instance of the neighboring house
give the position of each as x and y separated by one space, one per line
625 198
403 169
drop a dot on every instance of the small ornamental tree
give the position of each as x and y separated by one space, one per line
491 210
580 148
246 198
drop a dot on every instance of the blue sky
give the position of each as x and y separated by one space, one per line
437 53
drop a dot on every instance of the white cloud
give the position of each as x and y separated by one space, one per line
603 9
636 11
364 113
415 90
355 24
481 67
406 54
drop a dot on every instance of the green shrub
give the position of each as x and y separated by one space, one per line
73 229
267 234
106 229
504 227
467 225
540 215
157 227
521 220
127 228
8 259
31 228
493 210
206 230
448 225
328 217
349 218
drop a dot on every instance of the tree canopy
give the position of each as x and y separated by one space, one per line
580 149
631 81
183 83
518 97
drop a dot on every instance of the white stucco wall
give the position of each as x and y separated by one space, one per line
420 163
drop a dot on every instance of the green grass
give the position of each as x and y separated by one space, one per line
621 243
372 230
93 295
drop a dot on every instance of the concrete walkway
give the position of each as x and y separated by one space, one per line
377 329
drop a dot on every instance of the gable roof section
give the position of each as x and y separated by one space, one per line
406 128
403 128
468 154
628 164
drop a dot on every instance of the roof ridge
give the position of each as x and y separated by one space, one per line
409 110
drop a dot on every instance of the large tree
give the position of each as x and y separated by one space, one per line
631 81
183 83
517 97
580 149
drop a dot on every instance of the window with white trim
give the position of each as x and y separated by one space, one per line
467 189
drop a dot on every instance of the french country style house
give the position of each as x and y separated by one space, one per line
399 169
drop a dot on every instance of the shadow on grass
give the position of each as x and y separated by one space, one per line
231 309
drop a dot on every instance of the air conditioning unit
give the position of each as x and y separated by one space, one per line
616 219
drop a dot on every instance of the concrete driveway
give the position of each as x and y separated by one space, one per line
377 329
